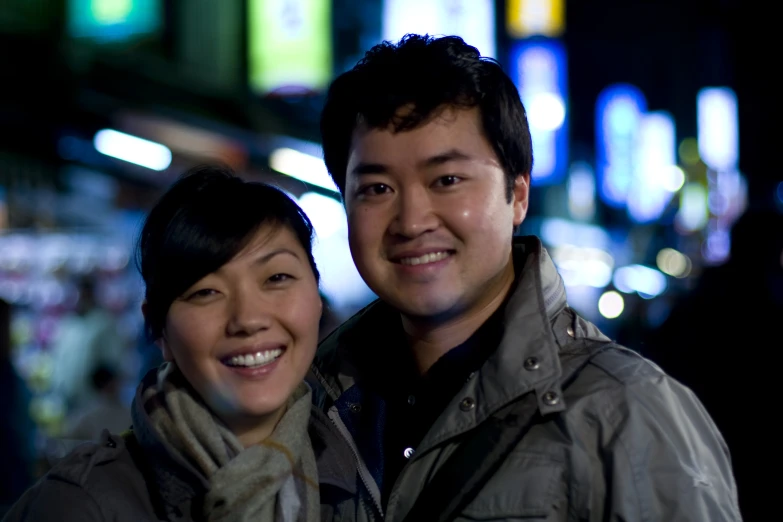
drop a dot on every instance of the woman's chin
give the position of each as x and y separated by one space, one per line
254 410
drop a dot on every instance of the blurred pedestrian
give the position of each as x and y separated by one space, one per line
17 435
84 339
105 410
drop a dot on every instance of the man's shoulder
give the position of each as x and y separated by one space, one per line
648 420
620 383
623 366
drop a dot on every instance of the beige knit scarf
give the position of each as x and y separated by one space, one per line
275 480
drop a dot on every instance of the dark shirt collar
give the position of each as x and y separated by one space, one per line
389 368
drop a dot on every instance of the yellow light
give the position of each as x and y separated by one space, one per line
611 304
535 17
694 212
689 151
673 263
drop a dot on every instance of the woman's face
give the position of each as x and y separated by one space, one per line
245 335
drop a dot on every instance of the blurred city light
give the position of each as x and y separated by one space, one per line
557 232
693 212
672 178
301 166
583 265
645 281
728 195
581 191
689 151
611 304
539 71
535 17
113 20
472 20
717 246
718 127
327 214
289 45
655 159
132 149
546 111
340 280
186 139
673 263
618 114
718 131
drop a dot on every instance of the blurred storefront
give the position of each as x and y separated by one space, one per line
637 184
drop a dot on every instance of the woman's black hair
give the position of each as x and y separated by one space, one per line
205 219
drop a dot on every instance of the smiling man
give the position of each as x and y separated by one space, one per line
470 390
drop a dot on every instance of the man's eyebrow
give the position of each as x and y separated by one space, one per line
369 168
432 161
445 157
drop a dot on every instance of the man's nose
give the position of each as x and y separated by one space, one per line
414 213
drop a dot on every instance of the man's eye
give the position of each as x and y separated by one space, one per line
376 189
446 181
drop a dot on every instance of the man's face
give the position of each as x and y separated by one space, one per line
429 220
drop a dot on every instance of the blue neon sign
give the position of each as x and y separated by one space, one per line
618 115
539 70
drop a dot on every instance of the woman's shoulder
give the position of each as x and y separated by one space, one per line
96 481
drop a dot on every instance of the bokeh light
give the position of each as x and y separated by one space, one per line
611 304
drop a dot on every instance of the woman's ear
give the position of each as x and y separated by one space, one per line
164 348
161 341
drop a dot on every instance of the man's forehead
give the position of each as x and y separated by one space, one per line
409 117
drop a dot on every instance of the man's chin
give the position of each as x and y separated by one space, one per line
427 311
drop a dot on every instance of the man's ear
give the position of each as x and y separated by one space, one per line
520 197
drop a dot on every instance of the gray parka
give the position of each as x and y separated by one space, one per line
620 441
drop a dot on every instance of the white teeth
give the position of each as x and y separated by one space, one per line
426 258
257 359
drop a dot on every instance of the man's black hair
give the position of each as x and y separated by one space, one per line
423 75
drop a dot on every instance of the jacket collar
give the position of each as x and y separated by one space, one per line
527 358
538 297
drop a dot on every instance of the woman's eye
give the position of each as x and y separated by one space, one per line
376 189
280 278
204 292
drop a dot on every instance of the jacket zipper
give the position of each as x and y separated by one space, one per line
364 473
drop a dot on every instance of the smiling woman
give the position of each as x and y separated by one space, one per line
221 428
